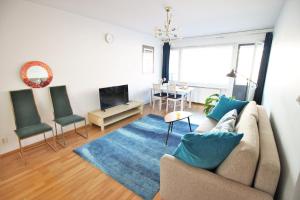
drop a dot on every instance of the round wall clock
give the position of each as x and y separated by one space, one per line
109 38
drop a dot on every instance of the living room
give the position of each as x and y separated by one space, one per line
243 51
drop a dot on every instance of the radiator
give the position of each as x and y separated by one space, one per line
199 94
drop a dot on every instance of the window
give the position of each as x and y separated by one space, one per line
208 65
249 58
201 65
174 65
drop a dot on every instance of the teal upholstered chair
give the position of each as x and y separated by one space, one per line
63 113
27 119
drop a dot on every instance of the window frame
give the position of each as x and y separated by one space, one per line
234 62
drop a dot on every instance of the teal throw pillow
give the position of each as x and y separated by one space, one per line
207 150
225 105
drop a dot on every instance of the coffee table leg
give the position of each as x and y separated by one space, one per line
169 130
190 124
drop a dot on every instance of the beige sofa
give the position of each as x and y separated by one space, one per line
250 172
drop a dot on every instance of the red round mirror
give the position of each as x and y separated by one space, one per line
36 74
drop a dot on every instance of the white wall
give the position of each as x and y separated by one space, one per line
74 47
281 90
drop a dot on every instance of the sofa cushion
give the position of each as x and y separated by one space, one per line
241 163
225 105
268 169
249 109
208 150
227 122
179 181
206 124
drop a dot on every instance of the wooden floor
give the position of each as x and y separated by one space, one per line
63 174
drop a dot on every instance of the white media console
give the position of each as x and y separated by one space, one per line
111 115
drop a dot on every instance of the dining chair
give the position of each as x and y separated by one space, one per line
158 94
183 85
173 96
27 119
63 113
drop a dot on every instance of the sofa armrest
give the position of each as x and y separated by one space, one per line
179 181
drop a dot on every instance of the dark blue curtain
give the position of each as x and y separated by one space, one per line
263 68
166 59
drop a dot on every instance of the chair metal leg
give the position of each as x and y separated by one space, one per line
62 136
52 147
53 138
55 129
20 149
21 152
86 132
45 138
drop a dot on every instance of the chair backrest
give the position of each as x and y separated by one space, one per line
25 110
60 101
172 88
156 88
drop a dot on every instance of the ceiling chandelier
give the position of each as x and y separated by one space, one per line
168 32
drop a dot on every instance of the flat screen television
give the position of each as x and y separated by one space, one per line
113 96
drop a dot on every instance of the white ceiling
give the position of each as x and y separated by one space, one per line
193 17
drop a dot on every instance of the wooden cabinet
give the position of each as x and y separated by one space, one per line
109 116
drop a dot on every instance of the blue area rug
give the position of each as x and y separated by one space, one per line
131 154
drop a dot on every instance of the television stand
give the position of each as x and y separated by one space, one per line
111 115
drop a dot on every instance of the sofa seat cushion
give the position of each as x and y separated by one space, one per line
241 163
208 150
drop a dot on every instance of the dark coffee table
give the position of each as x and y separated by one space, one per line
176 116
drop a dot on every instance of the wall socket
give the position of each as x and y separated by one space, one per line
4 140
